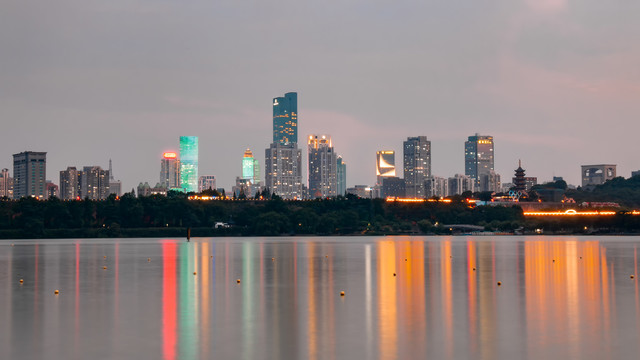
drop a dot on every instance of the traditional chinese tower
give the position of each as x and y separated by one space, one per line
519 182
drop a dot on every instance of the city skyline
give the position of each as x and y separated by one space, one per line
552 81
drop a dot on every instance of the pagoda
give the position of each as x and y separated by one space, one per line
519 182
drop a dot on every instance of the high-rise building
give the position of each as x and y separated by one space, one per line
256 172
436 186
6 184
283 164
283 159
478 158
115 186
206 182
341 170
29 174
52 189
459 184
392 186
323 163
285 119
94 183
69 184
385 164
490 182
170 171
417 165
248 166
189 163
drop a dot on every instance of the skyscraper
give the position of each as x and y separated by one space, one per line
189 163
248 163
94 183
323 163
6 184
206 182
115 186
283 159
69 183
417 165
478 159
341 171
285 119
170 171
29 174
385 164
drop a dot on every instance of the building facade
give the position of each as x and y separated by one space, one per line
206 182
285 119
69 184
385 165
341 173
436 187
283 175
593 175
30 174
6 184
361 191
478 158
323 163
490 182
460 183
170 171
115 186
417 165
94 183
393 186
189 163
52 190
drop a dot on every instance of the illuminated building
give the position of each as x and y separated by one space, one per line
69 183
323 162
519 181
6 184
478 158
206 182
341 171
52 189
29 174
490 182
459 184
283 159
115 186
385 164
417 165
94 183
285 119
170 171
593 175
436 186
243 187
283 164
189 163
248 165
361 191
392 186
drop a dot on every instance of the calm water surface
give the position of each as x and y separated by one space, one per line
405 298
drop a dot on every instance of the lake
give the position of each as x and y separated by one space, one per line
280 298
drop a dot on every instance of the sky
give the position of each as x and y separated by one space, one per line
556 82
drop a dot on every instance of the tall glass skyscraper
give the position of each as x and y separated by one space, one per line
248 165
285 119
323 177
417 165
341 170
478 158
189 163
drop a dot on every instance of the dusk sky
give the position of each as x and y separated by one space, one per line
556 82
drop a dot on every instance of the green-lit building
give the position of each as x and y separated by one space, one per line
189 163
285 119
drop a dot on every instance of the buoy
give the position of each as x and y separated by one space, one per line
341 293
630 276
211 256
148 259
105 256
554 260
580 257
56 292
238 281
273 259
327 256
194 273
394 274
405 259
11 244
21 281
499 283
474 269
104 267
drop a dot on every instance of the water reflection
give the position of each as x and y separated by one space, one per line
405 298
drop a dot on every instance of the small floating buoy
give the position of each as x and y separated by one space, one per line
104 267
211 256
148 259
105 256
327 256
394 274
273 259
56 292
632 276
580 257
21 281
405 259
11 244
238 281
499 283
194 273
341 293
474 269
554 260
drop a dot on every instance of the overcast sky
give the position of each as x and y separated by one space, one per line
556 82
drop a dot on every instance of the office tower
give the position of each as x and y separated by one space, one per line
285 119
323 163
341 171
417 165
244 188
256 172
478 159
94 183
115 186
436 186
189 163
460 183
593 175
490 182
385 164
283 164
393 186
29 174
206 182
248 166
170 171
69 184
52 189
283 159
6 184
